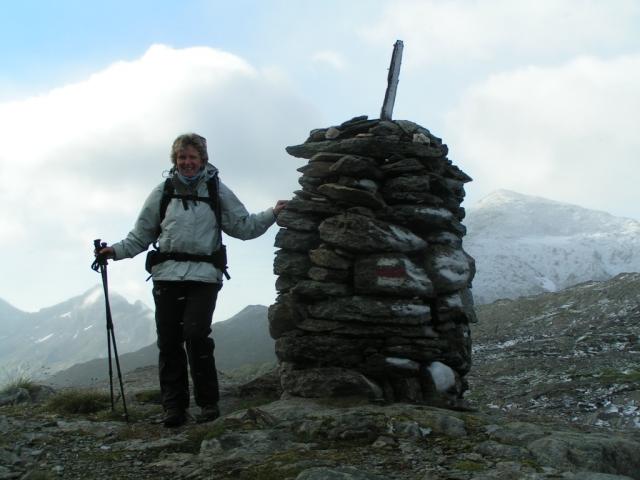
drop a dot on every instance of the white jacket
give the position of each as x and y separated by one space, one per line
193 230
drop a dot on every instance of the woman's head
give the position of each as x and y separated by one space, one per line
189 140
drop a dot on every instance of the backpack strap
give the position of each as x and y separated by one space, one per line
213 188
219 257
169 192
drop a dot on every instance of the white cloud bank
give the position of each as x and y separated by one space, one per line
329 58
458 31
78 161
568 133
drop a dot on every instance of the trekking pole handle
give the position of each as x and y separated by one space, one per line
100 259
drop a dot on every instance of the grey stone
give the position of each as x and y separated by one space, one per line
291 263
434 349
603 453
358 167
428 219
362 234
7 457
352 196
364 330
357 120
372 310
454 172
404 166
337 473
316 169
244 445
320 290
328 382
359 183
441 422
450 269
297 221
317 206
385 128
516 433
407 183
491 448
324 257
296 240
443 238
322 274
331 133
458 302
376 147
285 282
283 315
324 350
326 157
391 274
582 475
14 396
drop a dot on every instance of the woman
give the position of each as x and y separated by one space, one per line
187 271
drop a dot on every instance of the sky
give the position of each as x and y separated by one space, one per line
537 96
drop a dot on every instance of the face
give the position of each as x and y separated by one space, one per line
188 161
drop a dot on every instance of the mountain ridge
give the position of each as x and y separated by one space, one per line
525 245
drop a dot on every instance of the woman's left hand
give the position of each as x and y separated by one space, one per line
280 205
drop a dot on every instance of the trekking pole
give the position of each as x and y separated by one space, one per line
100 264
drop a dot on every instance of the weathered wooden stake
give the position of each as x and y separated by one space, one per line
392 81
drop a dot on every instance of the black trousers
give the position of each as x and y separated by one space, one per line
184 311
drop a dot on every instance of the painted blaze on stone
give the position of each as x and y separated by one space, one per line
391 274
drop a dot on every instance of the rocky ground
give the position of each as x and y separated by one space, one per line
554 389
573 356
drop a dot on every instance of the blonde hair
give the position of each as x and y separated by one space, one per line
189 140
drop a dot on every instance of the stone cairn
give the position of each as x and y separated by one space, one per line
373 284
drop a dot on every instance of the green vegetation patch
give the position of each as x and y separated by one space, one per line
149 396
197 434
611 375
39 475
19 382
469 466
79 401
279 466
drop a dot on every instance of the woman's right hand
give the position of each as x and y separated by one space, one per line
105 252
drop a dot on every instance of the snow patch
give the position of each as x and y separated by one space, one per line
65 315
443 376
44 339
402 363
92 298
87 328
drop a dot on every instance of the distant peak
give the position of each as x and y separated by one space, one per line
503 196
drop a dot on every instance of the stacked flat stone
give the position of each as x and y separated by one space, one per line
373 283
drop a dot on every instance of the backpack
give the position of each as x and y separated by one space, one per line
219 257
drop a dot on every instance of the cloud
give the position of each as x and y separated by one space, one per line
330 58
458 31
567 132
78 161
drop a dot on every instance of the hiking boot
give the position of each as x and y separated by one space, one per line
208 413
174 417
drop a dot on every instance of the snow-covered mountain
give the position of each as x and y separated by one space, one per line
73 331
525 245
